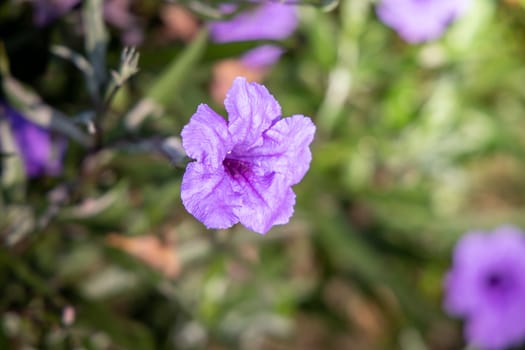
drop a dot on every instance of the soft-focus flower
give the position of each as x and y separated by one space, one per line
41 154
46 11
254 65
269 21
245 166
262 56
486 286
179 22
420 20
116 12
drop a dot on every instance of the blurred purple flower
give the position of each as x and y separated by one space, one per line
245 168
262 56
420 20
46 11
116 12
486 286
269 21
41 154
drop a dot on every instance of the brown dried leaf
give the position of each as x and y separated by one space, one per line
179 23
225 71
150 249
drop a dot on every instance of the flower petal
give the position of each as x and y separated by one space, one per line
266 201
207 194
40 153
495 331
269 21
461 282
206 138
46 11
251 110
419 21
262 56
285 149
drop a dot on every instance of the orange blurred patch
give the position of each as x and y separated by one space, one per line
179 23
225 71
151 250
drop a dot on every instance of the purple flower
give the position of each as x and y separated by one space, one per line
41 154
245 167
269 21
262 56
420 20
116 12
48 10
486 286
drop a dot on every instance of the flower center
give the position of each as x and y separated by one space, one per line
494 280
499 284
235 167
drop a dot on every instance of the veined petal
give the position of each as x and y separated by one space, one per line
207 194
251 110
206 137
266 201
285 149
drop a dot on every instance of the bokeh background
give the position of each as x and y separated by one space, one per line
416 144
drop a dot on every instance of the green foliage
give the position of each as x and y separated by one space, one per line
415 145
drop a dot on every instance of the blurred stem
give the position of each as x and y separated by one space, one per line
169 147
4 61
96 47
12 175
169 84
129 60
95 43
342 76
82 64
129 66
34 109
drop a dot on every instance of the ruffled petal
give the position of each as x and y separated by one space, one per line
206 137
266 201
207 194
251 111
285 149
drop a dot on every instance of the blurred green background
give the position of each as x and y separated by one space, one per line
415 145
